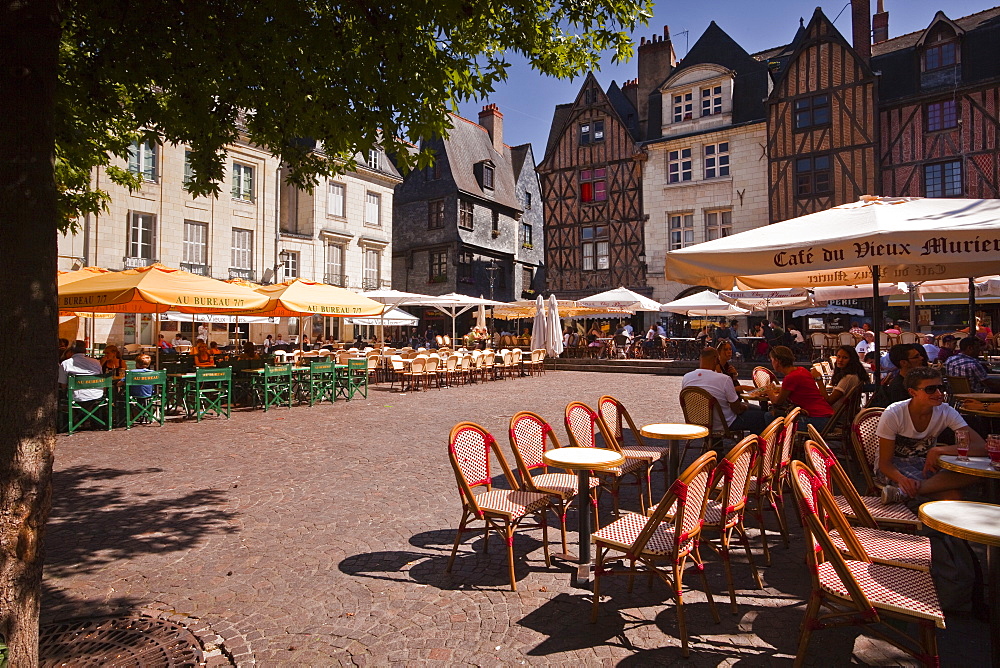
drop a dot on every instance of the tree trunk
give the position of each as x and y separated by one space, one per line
29 55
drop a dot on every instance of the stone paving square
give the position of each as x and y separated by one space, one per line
319 536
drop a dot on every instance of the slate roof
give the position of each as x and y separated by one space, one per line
560 118
624 108
518 154
467 145
716 47
899 61
621 106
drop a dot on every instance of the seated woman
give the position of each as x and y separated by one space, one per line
249 352
798 388
203 358
907 433
213 348
112 362
848 374
725 364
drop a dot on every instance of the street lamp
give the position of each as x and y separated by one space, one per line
492 269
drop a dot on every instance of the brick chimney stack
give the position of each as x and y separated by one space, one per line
491 119
656 61
629 89
861 21
880 24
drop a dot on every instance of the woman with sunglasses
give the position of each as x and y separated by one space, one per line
907 433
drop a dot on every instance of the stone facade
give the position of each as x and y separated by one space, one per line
464 220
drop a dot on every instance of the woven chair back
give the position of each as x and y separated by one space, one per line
418 364
583 424
615 417
529 435
735 479
432 364
686 499
452 363
770 449
791 428
467 363
847 339
865 442
489 360
817 339
374 361
762 376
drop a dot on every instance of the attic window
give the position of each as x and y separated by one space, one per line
711 100
683 106
487 176
591 133
940 55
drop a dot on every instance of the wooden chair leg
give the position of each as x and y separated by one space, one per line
679 605
458 539
723 550
759 514
742 531
700 565
806 630
509 530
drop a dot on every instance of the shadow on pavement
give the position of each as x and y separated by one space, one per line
94 524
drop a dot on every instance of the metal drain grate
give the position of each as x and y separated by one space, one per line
119 642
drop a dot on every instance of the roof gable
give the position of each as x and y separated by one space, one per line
467 145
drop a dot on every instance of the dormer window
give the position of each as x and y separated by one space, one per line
711 100
485 174
683 106
941 50
488 176
374 159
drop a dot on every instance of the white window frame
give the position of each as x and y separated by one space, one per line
679 165
143 160
336 199
682 105
334 263
371 272
466 209
596 248
718 224
195 243
242 182
242 255
711 100
142 225
289 265
680 227
373 209
717 160
375 159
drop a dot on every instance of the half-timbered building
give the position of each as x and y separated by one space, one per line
822 142
939 95
592 193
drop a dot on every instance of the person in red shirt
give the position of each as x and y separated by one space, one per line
798 388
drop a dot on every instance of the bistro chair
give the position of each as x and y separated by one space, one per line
516 362
847 339
415 374
661 543
764 481
78 413
850 589
762 377
701 408
529 435
210 390
614 413
357 378
582 425
450 370
789 432
886 547
727 505
465 371
909 337
895 515
145 409
322 382
819 343
502 510
277 385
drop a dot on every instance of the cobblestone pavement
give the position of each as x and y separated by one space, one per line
319 536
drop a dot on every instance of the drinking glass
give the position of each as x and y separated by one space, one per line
993 450
962 443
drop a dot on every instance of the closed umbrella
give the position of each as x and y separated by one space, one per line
481 318
538 331
553 339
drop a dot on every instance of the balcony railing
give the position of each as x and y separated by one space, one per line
370 284
245 274
135 262
336 279
198 269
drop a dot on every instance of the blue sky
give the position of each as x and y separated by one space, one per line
527 99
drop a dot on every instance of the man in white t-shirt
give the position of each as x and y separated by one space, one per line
866 344
81 365
739 415
931 347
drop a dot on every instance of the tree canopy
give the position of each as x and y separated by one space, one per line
346 75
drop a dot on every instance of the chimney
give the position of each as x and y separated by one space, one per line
880 24
629 89
861 21
491 119
656 60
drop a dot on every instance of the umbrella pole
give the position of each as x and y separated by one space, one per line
156 327
973 331
912 289
876 325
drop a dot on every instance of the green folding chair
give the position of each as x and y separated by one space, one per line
357 378
277 383
78 413
322 382
210 391
138 409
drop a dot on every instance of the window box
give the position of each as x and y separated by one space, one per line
526 245
495 233
438 279
528 294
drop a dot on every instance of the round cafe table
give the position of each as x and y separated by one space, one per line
583 461
673 433
978 522
979 396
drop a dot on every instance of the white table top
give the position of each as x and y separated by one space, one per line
979 522
673 431
587 459
979 466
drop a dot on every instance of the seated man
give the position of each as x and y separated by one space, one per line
798 388
947 348
81 365
866 344
905 357
931 348
907 434
739 415
966 364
